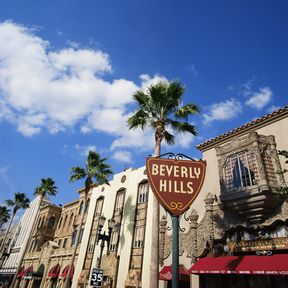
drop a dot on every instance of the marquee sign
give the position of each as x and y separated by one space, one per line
175 182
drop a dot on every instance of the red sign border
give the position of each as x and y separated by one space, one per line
158 196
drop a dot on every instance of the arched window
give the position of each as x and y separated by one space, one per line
240 171
99 205
51 222
87 205
71 219
81 207
143 192
60 222
73 237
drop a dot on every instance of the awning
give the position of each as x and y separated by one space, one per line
273 265
65 272
166 272
21 272
28 273
54 271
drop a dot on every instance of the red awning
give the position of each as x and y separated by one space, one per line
166 272
54 271
28 272
65 272
274 264
21 272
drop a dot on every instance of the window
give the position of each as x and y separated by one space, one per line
73 237
119 200
99 205
138 237
143 192
64 242
65 220
81 235
114 240
51 222
81 208
60 222
59 242
87 205
240 171
91 244
71 218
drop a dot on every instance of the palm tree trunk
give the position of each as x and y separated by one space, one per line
66 283
5 237
154 267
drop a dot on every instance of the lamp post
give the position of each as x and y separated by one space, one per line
102 236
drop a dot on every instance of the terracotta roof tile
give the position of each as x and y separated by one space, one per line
252 123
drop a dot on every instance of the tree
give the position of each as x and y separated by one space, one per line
283 190
160 109
20 201
47 187
96 168
4 215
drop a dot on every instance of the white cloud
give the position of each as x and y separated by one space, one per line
260 99
123 156
56 90
223 111
84 150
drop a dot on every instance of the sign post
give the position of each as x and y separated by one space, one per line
96 278
176 183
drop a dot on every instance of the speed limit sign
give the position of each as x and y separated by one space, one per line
96 278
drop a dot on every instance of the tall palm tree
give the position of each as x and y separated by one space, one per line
160 108
20 201
4 215
96 168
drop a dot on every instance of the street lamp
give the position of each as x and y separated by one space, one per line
102 236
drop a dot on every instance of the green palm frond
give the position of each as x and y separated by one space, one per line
95 167
20 201
182 127
47 187
139 119
4 215
169 138
140 97
77 174
187 110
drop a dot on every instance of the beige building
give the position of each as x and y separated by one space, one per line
236 232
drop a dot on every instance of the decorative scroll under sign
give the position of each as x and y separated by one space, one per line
175 182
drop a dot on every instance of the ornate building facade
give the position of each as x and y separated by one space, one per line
236 232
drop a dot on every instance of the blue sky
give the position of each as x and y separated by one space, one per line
68 70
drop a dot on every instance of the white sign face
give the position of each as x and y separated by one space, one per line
96 278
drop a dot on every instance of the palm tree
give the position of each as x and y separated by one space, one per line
4 215
96 168
20 201
159 108
47 187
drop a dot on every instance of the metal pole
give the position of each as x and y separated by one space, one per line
101 251
175 252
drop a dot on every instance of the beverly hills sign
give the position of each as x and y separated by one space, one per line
175 182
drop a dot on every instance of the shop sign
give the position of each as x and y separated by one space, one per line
175 182
258 245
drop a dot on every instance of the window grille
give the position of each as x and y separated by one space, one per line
240 171
143 192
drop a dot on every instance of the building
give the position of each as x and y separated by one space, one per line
236 232
19 242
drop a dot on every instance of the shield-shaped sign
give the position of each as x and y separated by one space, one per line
176 183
